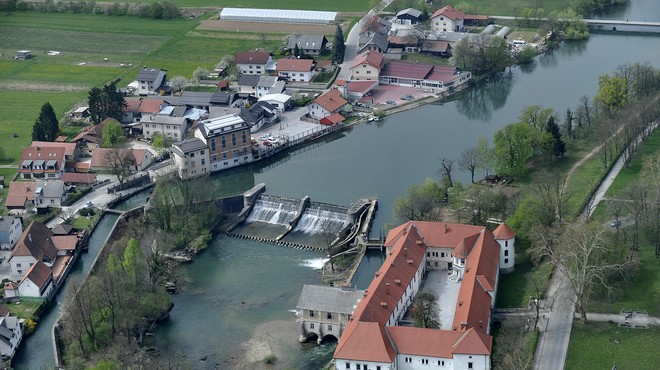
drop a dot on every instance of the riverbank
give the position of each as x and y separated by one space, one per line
272 341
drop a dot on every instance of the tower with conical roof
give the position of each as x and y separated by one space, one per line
507 240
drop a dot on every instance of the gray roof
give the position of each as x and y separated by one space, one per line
278 88
189 145
266 81
307 42
6 222
196 98
328 299
223 97
148 74
248 80
162 119
411 12
379 40
218 111
179 111
51 188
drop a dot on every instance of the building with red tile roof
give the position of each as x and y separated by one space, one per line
421 75
70 149
367 66
42 162
372 338
296 69
332 119
134 159
37 282
20 192
253 62
327 104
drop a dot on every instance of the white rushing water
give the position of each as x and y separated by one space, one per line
316 220
314 263
272 212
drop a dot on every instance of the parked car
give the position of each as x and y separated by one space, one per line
89 204
615 223
273 140
407 97
391 102
268 143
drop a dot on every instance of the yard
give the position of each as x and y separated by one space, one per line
601 345
24 308
516 289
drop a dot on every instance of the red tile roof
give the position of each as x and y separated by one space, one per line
151 106
371 57
365 341
332 119
438 234
295 65
252 57
472 342
331 100
474 17
361 86
69 148
503 232
449 12
423 342
406 70
40 153
19 193
100 156
79 178
36 241
65 242
39 274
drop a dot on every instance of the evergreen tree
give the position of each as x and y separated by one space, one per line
46 127
106 102
296 51
339 46
559 145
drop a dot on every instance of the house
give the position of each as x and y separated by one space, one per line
409 16
150 80
367 66
307 44
436 47
408 43
332 119
70 149
173 128
10 333
37 283
447 19
90 137
136 108
259 114
254 62
326 104
222 98
281 101
356 90
104 159
325 310
20 195
278 88
77 178
248 84
42 162
80 113
228 139
191 158
23 55
421 75
35 244
376 42
264 85
11 229
296 69
373 337
49 193
376 24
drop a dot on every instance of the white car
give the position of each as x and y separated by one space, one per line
89 204
273 140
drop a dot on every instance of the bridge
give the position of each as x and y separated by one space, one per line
617 25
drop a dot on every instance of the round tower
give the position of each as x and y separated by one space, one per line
506 238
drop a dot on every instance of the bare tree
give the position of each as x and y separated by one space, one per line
328 237
426 311
119 162
445 170
469 161
512 342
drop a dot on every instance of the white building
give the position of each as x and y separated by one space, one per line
191 158
150 80
278 16
10 334
296 69
49 193
171 127
37 283
326 104
507 240
11 229
447 19
281 101
254 62
264 85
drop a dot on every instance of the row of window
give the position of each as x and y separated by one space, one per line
327 316
313 326
435 254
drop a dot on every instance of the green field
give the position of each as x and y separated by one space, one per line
515 289
326 5
631 172
601 345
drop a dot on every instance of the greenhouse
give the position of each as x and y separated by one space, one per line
277 16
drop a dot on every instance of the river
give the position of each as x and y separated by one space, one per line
236 285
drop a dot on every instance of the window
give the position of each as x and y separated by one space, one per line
506 243
224 156
32 264
329 315
442 254
506 260
311 313
192 155
428 254
358 367
224 142
329 327
244 138
311 326
18 265
214 158
425 361
368 72
506 252
201 152
470 365
203 162
20 272
234 153
348 365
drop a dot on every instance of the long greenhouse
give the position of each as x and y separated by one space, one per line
277 16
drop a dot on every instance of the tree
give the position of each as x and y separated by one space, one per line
133 262
425 311
106 102
178 83
612 93
536 116
421 203
513 148
113 135
469 161
46 126
446 166
559 147
485 154
339 47
511 351
199 74
328 238
120 163
158 141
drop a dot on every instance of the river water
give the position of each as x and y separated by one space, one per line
236 285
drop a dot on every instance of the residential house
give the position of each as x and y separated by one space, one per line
254 62
332 119
447 19
373 338
264 85
327 104
223 98
20 195
136 108
409 43
436 47
80 113
11 229
150 80
36 244
49 193
259 114
104 159
228 138
70 149
278 88
42 162
248 84
77 178
37 283
91 137
376 24
409 16
325 311
10 333
173 128
421 75
191 158
296 69
307 44
366 66
357 90
281 101
376 42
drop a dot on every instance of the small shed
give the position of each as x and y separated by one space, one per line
332 119
23 55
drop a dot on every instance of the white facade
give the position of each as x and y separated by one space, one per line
281 101
8 345
11 230
27 288
174 128
443 24
363 365
253 68
149 86
277 15
20 265
191 161
507 254
438 258
364 72
303 76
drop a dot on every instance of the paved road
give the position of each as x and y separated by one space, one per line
552 347
99 198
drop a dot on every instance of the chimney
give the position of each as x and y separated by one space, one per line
397 282
377 273
410 262
463 325
405 252
419 242
383 304
446 228
481 324
387 288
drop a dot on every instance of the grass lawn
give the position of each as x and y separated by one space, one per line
515 289
601 345
326 5
25 309
8 173
424 58
82 222
631 172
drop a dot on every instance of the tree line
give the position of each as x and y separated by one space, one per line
154 10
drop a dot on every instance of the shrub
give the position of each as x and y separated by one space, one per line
270 359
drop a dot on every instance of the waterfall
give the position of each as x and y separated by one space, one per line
316 220
272 211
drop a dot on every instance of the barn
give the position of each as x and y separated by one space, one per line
278 16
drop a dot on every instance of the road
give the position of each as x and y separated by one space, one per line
552 346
